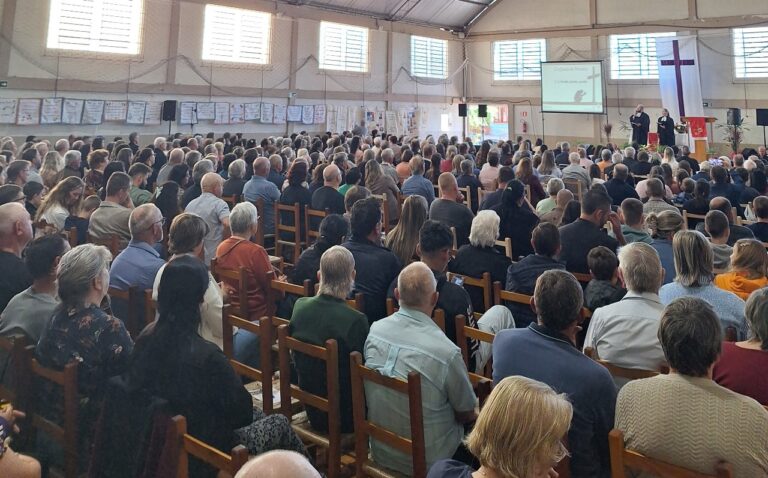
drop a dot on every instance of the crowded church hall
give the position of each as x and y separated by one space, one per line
386 239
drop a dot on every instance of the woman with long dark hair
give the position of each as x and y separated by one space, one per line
517 218
172 361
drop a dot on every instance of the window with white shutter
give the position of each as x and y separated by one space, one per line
750 51
633 57
236 35
103 26
343 47
517 60
428 57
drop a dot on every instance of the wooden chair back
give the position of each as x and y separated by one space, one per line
262 328
385 219
189 445
438 315
574 186
500 295
65 435
467 192
455 247
261 233
464 332
687 216
281 287
231 200
238 278
329 354
111 242
127 306
621 458
483 283
506 244
357 302
620 372
14 385
528 192
481 193
312 220
295 230
364 428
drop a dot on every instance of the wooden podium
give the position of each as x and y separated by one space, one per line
700 145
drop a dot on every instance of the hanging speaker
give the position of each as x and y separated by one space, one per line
482 111
463 110
169 110
762 117
734 116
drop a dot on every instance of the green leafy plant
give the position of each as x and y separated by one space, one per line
733 134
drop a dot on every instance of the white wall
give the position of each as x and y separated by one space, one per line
33 72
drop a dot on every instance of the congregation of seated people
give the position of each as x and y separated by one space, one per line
540 299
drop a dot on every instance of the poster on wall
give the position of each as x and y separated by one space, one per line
252 111
330 119
153 113
390 122
92 111
28 111
188 113
222 113
341 119
136 111
115 110
206 111
319 114
72 111
236 113
267 111
294 113
280 114
51 110
8 110
307 114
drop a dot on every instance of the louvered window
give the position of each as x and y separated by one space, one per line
236 35
518 59
428 57
633 57
343 47
750 51
105 26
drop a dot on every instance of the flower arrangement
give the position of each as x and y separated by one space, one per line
681 128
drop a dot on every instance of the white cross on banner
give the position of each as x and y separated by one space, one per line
679 79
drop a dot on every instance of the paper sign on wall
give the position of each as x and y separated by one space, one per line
294 113
136 112
92 111
319 114
188 112
115 110
153 113
72 111
236 113
28 112
307 114
222 113
267 111
8 110
51 111
206 111
279 116
252 111
330 119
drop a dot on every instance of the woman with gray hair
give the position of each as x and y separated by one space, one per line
481 255
554 186
694 267
238 251
742 365
233 186
80 330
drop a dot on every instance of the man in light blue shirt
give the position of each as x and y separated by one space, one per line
410 341
259 188
138 264
214 212
417 183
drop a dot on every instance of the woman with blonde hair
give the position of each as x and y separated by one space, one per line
456 164
547 169
669 158
61 202
446 165
524 174
50 169
749 264
517 435
402 239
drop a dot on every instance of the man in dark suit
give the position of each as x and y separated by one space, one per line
562 158
640 123
685 155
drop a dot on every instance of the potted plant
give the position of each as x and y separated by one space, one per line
607 129
733 134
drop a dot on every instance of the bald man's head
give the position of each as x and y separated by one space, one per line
212 183
176 156
15 227
564 196
722 204
278 464
416 287
261 166
332 175
447 183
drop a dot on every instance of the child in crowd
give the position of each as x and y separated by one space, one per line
686 191
716 225
82 217
633 227
605 287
